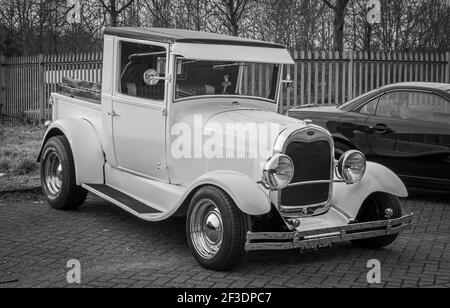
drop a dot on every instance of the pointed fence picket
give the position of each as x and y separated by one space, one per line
318 77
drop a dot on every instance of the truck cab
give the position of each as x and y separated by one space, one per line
185 123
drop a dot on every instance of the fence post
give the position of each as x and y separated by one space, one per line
41 87
350 74
2 84
447 77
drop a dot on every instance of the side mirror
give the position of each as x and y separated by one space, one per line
151 77
288 81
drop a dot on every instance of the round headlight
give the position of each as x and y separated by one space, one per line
278 172
352 167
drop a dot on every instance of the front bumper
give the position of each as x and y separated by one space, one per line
326 237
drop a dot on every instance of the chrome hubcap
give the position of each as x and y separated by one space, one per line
53 172
206 228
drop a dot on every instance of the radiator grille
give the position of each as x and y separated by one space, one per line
312 162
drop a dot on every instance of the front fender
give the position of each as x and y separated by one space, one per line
349 198
88 155
249 197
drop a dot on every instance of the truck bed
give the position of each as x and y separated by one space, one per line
81 89
77 99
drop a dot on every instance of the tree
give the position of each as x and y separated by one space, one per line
197 14
339 7
230 13
112 8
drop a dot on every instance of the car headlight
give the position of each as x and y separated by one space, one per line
278 172
352 167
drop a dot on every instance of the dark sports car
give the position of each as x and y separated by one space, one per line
405 127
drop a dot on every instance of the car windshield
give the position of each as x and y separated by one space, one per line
203 78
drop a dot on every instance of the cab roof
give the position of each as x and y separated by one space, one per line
171 36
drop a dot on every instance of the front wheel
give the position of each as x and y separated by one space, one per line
378 207
58 176
216 230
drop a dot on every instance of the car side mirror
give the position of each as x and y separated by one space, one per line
151 77
288 82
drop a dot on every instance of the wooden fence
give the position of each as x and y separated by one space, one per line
334 78
27 82
318 77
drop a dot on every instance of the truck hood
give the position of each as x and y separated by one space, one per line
257 129
252 116
252 131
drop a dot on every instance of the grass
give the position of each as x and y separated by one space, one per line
19 148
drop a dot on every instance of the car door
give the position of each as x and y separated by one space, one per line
139 110
429 115
352 125
385 129
402 121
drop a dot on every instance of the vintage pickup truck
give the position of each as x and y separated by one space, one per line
175 129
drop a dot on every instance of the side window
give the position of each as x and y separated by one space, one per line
369 108
393 105
415 106
141 66
429 107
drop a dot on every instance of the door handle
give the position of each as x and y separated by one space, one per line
113 114
381 129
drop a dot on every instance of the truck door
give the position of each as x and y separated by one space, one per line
139 110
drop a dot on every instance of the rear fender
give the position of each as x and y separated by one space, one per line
86 148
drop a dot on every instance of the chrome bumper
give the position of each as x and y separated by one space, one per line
326 237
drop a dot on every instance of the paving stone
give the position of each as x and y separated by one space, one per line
118 250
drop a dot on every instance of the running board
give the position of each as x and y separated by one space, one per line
122 200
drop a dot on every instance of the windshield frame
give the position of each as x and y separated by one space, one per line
239 84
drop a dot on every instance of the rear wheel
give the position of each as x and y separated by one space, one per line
216 230
58 176
379 206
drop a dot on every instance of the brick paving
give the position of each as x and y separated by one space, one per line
117 250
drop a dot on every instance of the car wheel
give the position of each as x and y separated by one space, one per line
58 176
380 206
216 230
340 148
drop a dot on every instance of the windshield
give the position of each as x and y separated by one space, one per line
203 78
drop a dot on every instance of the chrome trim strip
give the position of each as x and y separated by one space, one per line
325 237
315 182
